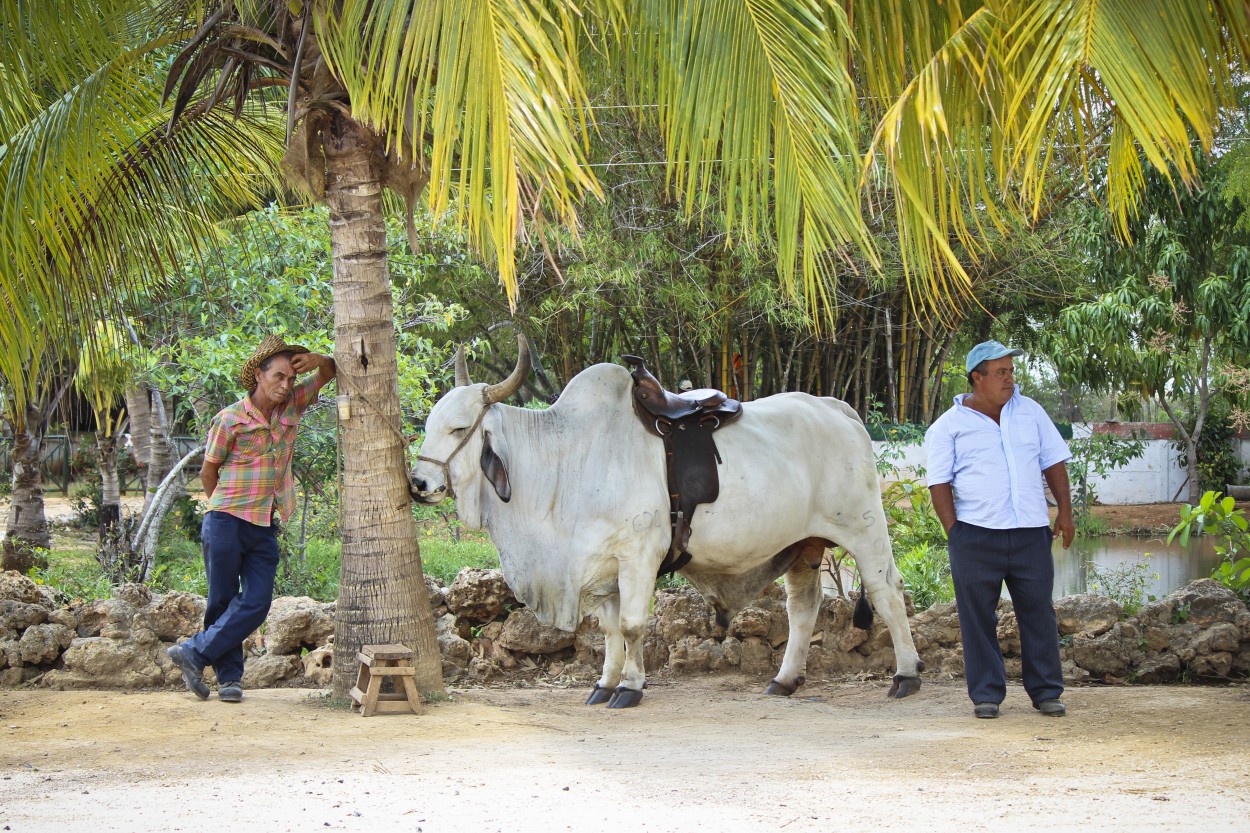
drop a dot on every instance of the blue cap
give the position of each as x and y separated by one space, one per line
988 351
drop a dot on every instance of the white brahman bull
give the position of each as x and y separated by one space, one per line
575 498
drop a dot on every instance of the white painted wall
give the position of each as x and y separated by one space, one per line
1155 477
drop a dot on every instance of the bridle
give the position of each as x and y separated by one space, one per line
445 465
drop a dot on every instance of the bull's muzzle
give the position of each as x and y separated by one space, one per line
420 491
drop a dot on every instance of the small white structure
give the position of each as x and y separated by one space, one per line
1155 477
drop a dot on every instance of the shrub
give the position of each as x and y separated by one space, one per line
926 570
1218 515
1124 583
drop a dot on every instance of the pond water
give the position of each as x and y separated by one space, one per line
1170 567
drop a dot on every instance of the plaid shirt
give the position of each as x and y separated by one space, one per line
255 457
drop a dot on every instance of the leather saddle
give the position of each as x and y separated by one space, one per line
685 421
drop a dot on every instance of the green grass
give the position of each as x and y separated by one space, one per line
443 558
446 548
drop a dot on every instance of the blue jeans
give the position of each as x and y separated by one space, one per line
981 561
241 560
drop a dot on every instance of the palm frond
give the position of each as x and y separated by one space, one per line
1161 68
945 94
758 114
487 90
97 194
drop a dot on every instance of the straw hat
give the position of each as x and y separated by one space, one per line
271 345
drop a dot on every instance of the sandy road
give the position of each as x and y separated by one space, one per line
706 754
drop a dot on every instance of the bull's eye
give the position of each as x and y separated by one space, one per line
458 432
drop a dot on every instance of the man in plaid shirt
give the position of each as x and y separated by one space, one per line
247 478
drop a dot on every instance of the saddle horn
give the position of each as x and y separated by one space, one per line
509 386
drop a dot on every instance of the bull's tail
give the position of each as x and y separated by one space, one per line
862 618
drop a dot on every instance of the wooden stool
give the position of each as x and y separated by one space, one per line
377 662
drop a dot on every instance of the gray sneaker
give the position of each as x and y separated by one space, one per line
230 692
192 671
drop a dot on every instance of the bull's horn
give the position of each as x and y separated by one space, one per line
509 386
462 368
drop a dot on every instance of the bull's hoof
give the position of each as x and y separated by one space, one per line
598 695
625 698
780 689
903 686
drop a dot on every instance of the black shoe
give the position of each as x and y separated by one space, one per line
230 692
986 711
191 670
1051 708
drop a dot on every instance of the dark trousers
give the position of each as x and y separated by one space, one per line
981 560
241 560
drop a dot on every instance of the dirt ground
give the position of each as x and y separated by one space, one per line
699 754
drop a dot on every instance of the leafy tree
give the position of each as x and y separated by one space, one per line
1174 318
757 104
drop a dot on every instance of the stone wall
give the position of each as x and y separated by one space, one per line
1201 632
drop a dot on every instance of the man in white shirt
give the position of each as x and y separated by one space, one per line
984 458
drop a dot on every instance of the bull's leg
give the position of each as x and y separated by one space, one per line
637 583
871 549
803 596
609 614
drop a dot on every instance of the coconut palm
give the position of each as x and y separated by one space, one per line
27 403
105 367
483 106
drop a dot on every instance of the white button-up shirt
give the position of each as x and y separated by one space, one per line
994 468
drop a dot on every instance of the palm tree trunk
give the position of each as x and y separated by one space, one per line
28 526
111 501
382 593
160 449
140 413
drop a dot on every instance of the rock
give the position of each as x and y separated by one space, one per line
171 617
10 653
453 647
750 621
98 662
18 616
64 616
1087 613
1206 602
757 657
135 595
438 594
1241 660
690 654
680 612
480 595
1157 668
319 666
1073 673
1212 665
588 643
296 623
16 587
1222 637
936 627
654 652
10 677
270 670
43 644
1106 654
93 616
522 632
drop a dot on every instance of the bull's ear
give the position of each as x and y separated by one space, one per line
495 470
